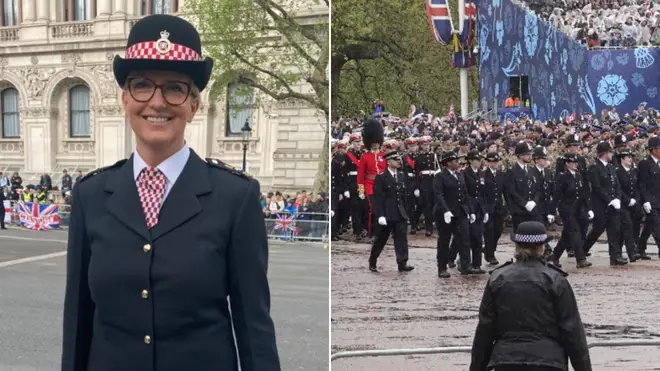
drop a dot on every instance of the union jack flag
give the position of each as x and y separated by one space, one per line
286 222
38 217
444 31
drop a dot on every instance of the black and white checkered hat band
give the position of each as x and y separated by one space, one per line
530 238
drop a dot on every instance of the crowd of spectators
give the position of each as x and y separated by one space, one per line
602 23
309 211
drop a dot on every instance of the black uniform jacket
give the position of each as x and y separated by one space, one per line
545 190
529 316
389 198
604 186
571 194
520 188
157 300
475 182
493 188
630 190
649 182
451 194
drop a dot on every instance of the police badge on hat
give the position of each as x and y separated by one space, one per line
164 45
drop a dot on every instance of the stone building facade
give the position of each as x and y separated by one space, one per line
61 107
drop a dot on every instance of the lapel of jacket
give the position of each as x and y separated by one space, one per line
124 203
182 203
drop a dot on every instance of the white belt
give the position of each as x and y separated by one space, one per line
427 172
352 173
411 175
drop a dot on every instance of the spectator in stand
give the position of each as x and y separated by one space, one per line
289 207
4 181
45 181
16 181
320 208
67 184
276 204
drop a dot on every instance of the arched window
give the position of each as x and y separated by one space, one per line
11 125
79 118
239 108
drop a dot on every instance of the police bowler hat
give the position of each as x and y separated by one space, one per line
532 233
164 43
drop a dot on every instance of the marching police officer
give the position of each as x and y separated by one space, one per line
494 202
453 214
545 184
157 279
475 182
425 167
413 180
520 190
389 207
605 203
649 184
528 318
571 196
631 209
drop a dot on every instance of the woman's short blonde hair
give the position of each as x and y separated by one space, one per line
528 252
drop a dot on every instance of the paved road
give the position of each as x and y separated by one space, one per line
31 295
418 310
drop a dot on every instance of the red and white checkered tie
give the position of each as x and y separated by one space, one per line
151 188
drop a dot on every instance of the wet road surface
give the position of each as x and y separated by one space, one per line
389 309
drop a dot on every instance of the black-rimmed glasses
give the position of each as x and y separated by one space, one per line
143 89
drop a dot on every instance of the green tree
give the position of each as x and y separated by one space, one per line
279 50
384 49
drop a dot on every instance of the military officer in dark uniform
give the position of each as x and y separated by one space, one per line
494 201
649 184
475 182
336 194
389 206
574 145
571 196
631 209
425 167
453 213
520 189
358 205
157 278
528 318
413 180
545 184
605 203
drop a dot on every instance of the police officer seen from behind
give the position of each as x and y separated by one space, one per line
631 209
571 196
605 203
475 182
389 207
157 279
453 214
545 184
520 190
494 201
529 318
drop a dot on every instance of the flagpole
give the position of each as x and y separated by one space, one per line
463 72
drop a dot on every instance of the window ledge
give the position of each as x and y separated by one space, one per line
10 140
237 138
79 139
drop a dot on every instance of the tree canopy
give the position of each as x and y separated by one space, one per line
279 47
384 49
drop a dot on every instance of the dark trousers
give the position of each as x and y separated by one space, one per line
608 221
492 233
651 227
357 212
524 368
399 231
372 226
426 204
476 240
516 219
2 216
460 230
627 235
411 210
571 237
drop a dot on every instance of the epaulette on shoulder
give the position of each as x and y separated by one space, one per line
556 268
508 262
223 166
102 169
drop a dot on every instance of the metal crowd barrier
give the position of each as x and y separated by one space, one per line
468 349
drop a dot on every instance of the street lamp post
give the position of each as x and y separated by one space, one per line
246 130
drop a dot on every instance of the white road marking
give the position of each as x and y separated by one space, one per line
31 239
31 259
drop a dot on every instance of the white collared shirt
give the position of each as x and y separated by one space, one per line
605 163
172 167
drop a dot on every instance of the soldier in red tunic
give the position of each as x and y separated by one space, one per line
372 163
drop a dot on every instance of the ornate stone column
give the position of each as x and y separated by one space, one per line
43 11
29 10
120 7
104 7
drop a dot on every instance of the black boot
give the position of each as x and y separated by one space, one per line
404 267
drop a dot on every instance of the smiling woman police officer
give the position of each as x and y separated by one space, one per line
151 263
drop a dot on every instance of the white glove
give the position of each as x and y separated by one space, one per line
361 196
340 198
551 219
591 214
347 194
332 213
472 218
382 221
647 207
448 216
530 205
615 203
632 202
486 218
416 192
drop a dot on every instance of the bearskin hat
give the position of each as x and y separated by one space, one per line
372 132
